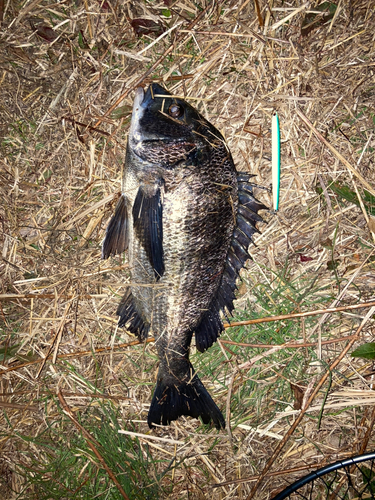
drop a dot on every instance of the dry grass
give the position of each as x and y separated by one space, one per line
62 151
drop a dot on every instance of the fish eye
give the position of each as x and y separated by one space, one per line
175 110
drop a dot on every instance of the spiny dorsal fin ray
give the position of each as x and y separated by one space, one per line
210 327
244 177
148 225
240 251
116 237
245 188
242 237
246 226
248 202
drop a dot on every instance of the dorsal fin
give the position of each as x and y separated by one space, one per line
116 236
148 225
210 327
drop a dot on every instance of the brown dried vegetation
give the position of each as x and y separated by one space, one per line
65 68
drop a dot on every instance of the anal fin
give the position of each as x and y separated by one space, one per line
131 319
208 330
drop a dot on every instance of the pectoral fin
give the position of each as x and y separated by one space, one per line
148 225
116 238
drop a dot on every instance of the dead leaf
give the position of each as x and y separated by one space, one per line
298 392
305 258
47 33
146 27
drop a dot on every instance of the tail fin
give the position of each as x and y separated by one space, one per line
188 398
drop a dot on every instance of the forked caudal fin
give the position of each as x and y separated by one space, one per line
189 398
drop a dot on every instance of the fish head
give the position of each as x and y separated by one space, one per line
166 129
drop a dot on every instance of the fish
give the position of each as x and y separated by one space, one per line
186 218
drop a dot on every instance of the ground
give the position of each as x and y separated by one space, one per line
293 394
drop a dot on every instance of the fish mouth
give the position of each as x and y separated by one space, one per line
139 97
154 90
142 101
138 110
143 98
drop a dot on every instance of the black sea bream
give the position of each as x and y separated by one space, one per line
186 217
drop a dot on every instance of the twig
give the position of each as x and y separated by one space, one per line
148 437
259 14
77 395
368 433
288 345
224 33
1 11
91 442
16 406
28 296
86 126
324 401
229 397
269 319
